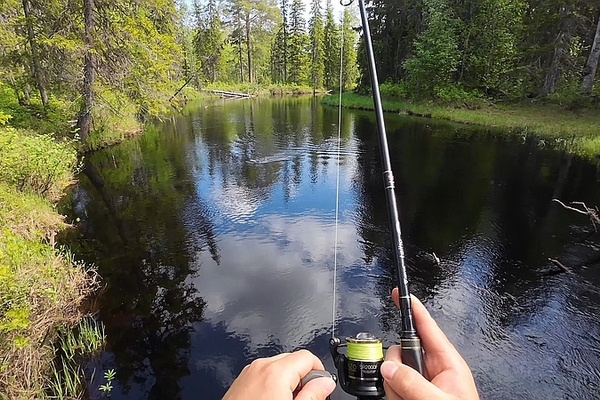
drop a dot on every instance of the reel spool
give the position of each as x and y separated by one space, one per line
358 369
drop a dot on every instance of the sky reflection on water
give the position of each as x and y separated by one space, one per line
215 237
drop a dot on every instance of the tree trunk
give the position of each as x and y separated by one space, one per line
248 48
239 42
560 54
38 74
553 73
84 121
589 71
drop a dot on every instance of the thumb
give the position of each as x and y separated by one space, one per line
316 389
403 382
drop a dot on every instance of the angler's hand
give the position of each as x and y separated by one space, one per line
276 378
448 373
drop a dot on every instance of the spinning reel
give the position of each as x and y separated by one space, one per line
358 368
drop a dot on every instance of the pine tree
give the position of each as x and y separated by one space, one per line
316 34
331 50
209 40
297 44
349 64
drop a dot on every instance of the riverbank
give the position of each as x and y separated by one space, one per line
581 128
262 90
42 288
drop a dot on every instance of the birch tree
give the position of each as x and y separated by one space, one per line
589 71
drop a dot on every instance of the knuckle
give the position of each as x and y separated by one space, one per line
258 364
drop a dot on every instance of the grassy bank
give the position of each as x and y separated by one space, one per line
41 287
544 120
263 90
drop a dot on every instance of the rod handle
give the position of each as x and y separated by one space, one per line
412 353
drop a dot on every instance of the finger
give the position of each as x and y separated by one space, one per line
404 383
394 353
317 389
296 365
396 297
433 338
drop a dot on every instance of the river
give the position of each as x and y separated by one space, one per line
214 236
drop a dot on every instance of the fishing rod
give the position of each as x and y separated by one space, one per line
358 369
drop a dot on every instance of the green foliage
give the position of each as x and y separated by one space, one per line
489 40
114 119
317 38
435 56
41 289
505 49
32 115
106 388
454 94
391 90
332 49
209 40
298 45
349 63
73 346
36 163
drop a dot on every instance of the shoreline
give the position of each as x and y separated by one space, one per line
546 121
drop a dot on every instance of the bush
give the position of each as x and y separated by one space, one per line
36 163
394 90
52 120
454 94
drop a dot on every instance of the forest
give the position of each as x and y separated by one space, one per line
76 76
107 64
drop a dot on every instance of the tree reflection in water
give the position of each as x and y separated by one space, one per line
214 236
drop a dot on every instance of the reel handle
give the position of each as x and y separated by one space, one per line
412 353
314 374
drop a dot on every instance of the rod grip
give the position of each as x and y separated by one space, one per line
412 353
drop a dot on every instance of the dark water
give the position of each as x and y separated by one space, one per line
214 234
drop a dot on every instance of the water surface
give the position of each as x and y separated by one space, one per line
214 233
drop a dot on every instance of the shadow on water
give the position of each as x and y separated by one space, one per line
214 236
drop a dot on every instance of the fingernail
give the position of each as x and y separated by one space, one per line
388 369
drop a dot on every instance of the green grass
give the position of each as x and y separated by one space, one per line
544 120
41 286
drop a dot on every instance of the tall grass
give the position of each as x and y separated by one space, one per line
41 286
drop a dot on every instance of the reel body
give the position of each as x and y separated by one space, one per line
358 369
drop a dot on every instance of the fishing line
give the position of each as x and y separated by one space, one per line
361 356
337 182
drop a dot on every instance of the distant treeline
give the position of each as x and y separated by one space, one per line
502 48
265 42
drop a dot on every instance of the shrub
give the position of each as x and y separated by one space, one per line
35 163
454 94
394 90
